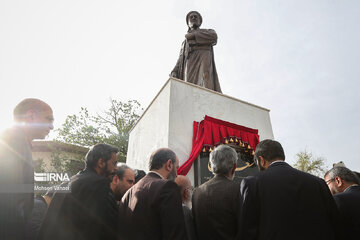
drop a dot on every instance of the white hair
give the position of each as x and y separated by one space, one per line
222 159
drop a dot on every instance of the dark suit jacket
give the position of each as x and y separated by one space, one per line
189 223
16 183
348 203
88 212
216 207
284 203
36 218
152 209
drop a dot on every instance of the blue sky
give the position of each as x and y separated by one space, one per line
297 58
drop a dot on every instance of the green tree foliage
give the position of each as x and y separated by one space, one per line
111 126
39 165
306 162
61 163
63 159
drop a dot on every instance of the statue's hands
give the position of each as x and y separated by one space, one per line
173 74
190 35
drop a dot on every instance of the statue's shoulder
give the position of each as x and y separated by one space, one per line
206 30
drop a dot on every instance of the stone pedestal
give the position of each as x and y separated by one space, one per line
168 120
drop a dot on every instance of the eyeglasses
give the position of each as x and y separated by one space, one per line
329 181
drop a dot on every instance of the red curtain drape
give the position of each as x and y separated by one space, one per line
211 132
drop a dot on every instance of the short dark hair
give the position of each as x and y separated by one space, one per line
270 150
100 150
160 157
29 104
139 174
344 173
121 171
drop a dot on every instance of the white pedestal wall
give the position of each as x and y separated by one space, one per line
168 120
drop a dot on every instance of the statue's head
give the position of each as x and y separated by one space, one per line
193 19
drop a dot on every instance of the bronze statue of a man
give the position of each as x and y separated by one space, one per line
196 61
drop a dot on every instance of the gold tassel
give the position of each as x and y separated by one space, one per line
210 150
249 147
253 152
204 149
236 140
231 140
226 141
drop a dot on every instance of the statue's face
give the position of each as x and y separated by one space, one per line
194 20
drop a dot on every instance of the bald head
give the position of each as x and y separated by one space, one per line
164 162
29 104
159 157
185 188
183 181
35 117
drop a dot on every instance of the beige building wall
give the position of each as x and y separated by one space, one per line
47 150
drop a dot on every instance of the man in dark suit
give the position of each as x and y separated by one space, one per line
89 211
33 120
36 218
281 202
41 204
186 193
123 180
216 203
151 209
344 185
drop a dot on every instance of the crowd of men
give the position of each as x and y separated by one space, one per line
107 201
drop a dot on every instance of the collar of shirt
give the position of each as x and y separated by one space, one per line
157 174
350 186
276 162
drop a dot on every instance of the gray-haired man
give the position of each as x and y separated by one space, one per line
216 203
344 185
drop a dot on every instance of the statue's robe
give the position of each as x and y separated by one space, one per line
196 61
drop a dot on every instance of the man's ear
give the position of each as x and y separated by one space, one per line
339 182
30 115
168 165
185 194
100 163
233 169
262 161
115 179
